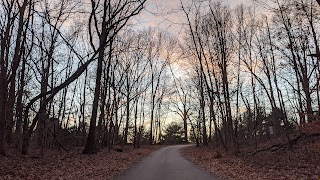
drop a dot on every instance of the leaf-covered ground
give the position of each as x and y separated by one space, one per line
73 165
302 162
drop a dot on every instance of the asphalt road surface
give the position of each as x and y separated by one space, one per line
166 164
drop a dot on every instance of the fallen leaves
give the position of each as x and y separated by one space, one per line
311 128
73 165
302 162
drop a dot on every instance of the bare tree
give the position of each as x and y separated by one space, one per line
114 17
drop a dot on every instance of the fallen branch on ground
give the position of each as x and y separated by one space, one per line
292 142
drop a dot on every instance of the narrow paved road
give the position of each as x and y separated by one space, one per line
166 164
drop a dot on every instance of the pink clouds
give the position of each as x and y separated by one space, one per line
166 14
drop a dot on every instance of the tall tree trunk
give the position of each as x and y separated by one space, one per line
101 117
203 116
90 147
152 110
19 46
185 124
19 103
126 129
3 98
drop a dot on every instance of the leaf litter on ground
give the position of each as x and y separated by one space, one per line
301 162
73 165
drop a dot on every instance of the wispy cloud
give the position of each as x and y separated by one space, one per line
167 15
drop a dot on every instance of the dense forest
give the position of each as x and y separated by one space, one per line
80 73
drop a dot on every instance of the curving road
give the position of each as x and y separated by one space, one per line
166 164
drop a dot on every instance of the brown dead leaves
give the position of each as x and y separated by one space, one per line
74 165
302 162
311 128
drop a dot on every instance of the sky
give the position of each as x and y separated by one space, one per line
166 14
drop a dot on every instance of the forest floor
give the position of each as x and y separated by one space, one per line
301 162
72 165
